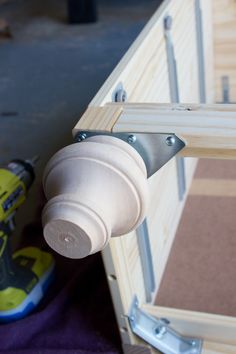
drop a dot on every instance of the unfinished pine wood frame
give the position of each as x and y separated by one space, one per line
208 131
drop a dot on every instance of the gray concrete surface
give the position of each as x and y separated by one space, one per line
49 71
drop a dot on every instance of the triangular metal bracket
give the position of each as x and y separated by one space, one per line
156 149
159 334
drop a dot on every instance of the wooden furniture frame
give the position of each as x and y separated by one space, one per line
184 60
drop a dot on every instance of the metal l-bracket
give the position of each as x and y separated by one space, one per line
200 50
145 253
159 334
171 61
156 149
174 95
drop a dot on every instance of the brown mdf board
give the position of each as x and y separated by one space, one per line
224 18
211 131
149 73
200 272
198 286
217 331
143 73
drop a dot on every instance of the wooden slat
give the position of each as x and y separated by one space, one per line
208 32
98 118
145 59
143 72
218 348
213 328
207 130
225 45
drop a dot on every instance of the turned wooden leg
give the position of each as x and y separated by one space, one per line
96 189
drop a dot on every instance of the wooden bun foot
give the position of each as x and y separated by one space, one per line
96 189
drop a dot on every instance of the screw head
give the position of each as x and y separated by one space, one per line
67 239
165 321
131 139
170 140
121 96
168 23
160 331
81 137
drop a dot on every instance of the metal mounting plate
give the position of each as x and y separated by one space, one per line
159 334
156 149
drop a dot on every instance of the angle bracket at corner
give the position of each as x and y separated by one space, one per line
156 149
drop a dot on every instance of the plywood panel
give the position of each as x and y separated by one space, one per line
207 130
225 45
143 73
208 46
213 328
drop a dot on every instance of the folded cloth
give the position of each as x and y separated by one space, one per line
76 316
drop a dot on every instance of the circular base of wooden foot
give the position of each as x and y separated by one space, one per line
72 229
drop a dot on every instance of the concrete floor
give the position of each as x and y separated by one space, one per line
50 71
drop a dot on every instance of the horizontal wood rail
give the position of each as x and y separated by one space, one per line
207 130
211 327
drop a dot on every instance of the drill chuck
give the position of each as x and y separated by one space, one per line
24 170
15 180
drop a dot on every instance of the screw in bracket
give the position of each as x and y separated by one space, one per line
132 318
170 140
131 139
81 137
165 321
121 95
160 331
168 23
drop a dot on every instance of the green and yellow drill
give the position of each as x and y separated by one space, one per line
25 275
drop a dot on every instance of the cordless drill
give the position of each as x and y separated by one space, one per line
25 275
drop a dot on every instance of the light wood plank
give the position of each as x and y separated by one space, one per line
224 18
132 68
218 348
207 348
98 118
208 47
207 130
143 72
212 328
162 219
